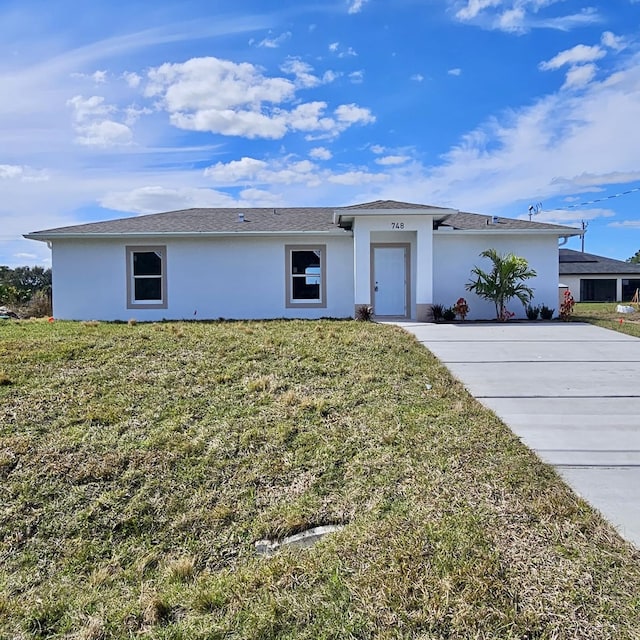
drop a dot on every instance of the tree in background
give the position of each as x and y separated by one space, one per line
503 282
19 285
635 258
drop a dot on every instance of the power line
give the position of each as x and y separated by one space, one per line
615 195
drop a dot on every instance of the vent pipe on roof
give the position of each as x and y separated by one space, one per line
241 217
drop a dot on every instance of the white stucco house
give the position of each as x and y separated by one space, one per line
289 262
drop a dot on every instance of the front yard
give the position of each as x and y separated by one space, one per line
140 464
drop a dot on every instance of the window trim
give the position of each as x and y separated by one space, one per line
161 250
290 303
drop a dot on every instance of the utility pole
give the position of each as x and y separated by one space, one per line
584 230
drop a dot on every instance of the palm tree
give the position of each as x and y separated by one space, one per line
504 282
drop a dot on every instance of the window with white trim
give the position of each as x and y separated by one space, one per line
146 277
306 275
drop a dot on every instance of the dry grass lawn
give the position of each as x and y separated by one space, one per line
139 464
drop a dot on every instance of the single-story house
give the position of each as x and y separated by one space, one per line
310 262
592 278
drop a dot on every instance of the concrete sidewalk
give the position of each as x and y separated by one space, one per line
570 391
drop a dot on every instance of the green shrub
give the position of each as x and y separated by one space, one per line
449 314
532 312
437 310
364 313
546 313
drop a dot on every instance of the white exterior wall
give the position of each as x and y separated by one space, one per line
455 254
573 283
213 277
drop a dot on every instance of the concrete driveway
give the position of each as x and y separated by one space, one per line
570 391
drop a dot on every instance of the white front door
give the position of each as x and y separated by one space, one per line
390 281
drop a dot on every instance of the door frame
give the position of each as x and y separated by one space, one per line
407 273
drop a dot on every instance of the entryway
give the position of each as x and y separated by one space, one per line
390 280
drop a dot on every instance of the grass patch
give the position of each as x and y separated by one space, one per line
604 314
140 464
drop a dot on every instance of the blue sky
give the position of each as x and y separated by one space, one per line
487 106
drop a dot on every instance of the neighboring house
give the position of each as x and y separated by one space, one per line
289 262
592 278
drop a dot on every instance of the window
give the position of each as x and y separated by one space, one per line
596 290
629 288
146 278
306 279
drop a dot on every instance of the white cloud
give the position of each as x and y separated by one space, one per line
132 79
156 198
303 73
287 171
25 256
227 122
106 133
329 76
609 39
512 20
245 169
474 7
209 94
86 108
23 173
392 160
519 16
341 52
260 198
579 54
417 77
377 149
580 76
275 42
132 113
625 224
310 117
93 127
353 114
10 171
320 153
454 72
211 83
585 17
357 77
571 217
583 180
99 77
357 178
355 6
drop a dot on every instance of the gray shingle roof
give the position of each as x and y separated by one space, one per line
389 204
464 220
271 220
578 263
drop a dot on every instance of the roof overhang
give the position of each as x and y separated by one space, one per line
491 229
343 217
52 237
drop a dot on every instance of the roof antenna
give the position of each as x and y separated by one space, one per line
534 210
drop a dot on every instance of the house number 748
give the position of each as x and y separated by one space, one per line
397 225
